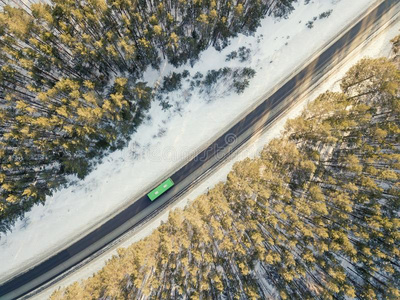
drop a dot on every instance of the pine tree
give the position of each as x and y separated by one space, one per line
315 216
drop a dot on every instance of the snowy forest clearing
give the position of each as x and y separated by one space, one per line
46 227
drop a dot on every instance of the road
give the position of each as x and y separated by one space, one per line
197 168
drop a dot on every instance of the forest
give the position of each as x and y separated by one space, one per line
71 79
315 216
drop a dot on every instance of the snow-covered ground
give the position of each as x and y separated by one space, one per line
380 46
278 47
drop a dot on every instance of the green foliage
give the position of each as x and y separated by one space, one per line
236 79
231 56
325 14
243 53
70 80
172 82
241 79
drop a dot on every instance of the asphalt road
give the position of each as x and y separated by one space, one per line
186 177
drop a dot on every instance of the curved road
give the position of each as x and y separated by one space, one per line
200 166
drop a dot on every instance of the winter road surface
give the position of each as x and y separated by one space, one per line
277 102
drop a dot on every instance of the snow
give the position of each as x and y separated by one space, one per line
154 154
379 47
